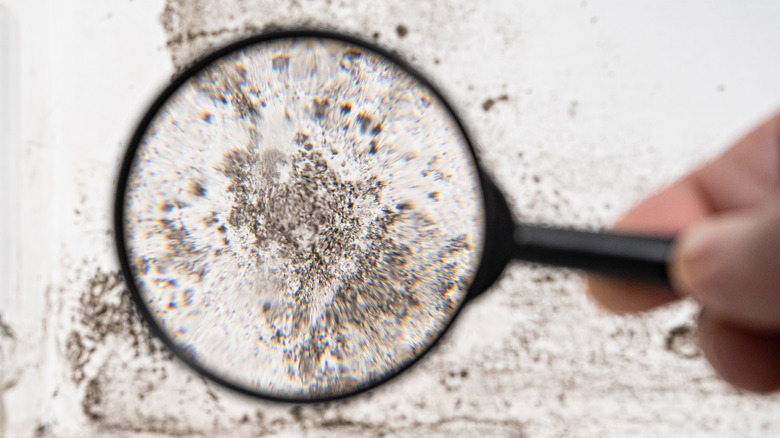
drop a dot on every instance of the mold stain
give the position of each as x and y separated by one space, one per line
92 398
9 370
314 229
186 38
183 42
490 102
115 361
681 340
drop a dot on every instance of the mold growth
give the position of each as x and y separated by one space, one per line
10 371
107 313
334 223
681 340
490 102
115 362
313 222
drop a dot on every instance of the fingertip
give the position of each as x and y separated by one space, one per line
729 264
746 360
623 297
691 263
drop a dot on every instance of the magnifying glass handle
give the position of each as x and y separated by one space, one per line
628 256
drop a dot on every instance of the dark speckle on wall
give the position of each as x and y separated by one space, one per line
681 340
571 139
490 102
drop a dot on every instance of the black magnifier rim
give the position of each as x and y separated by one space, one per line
478 284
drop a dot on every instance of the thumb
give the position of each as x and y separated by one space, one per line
731 265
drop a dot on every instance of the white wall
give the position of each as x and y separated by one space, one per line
606 101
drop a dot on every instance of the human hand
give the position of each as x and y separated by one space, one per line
727 257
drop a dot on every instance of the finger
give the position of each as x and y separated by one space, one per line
745 174
740 178
665 213
746 360
731 265
621 296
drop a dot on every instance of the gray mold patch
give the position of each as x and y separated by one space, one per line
303 217
117 364
8 372
194 27
106 313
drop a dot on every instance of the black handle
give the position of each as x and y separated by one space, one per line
632 257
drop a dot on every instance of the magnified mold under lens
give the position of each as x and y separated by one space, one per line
302 217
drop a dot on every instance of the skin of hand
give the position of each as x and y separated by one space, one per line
726 216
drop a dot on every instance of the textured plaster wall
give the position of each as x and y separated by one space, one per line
578 108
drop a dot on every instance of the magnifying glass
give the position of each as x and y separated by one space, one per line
301 215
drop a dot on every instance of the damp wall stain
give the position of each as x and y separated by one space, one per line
116 363
532 357
534 367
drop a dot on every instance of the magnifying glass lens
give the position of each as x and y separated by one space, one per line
302 217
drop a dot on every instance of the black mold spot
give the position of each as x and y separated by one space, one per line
92 398
209 220
321 107
197 189
297 413
364 120
401 30
300 138
488 103
280 62
41 430
353 53
5 330
243 105
681 340
349 57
